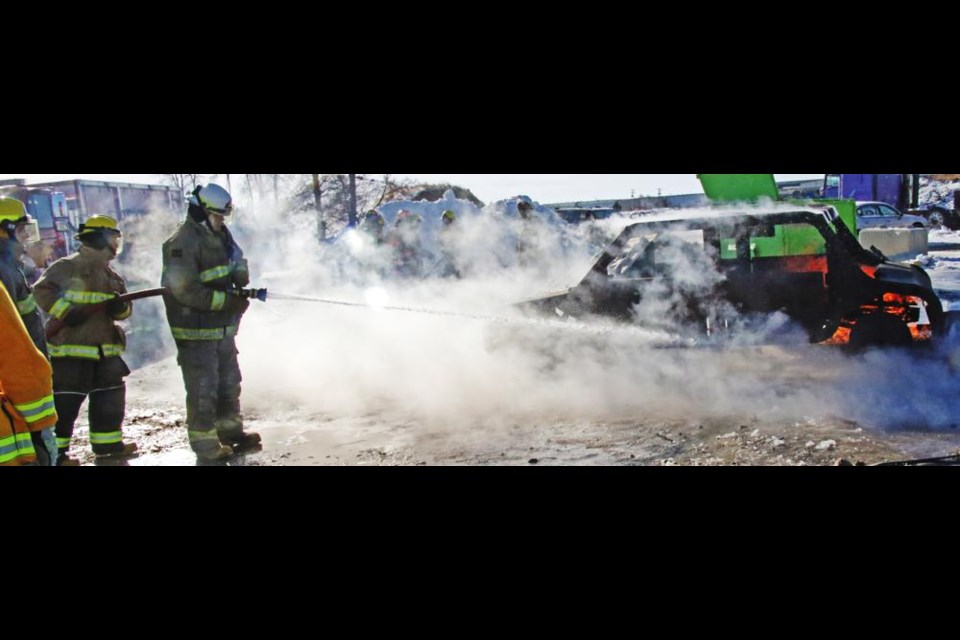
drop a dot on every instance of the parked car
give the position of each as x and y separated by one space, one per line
880 215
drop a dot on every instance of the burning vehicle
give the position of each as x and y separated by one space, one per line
712 270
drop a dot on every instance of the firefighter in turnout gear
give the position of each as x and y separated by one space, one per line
447 242
404 240
15 227
27 412
372 225
86 353
204 271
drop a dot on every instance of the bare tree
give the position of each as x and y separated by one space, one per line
327 196
392 190
259 184
215 177
183 181
252 181
352 187
317 200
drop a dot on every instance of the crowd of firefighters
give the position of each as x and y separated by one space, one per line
398 251
72 353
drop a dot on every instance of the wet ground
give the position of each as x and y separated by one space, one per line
750 405
393 436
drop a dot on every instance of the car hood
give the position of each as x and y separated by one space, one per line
903 274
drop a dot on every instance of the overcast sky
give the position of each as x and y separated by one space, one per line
542 187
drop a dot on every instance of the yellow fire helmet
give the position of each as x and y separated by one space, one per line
13 210
97 224
12 213
101 232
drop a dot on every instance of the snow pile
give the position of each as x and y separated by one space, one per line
934 193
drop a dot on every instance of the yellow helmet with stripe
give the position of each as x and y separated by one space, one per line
96 224
13 210
12 213
100 232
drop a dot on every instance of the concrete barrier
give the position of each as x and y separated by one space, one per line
896 243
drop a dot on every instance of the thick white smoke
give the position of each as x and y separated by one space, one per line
475 360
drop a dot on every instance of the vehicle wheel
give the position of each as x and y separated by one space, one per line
879 330
936 217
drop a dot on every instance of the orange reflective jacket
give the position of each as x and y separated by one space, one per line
26 388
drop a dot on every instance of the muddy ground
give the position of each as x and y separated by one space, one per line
694 435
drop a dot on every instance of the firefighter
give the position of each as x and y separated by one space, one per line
447 265
14 233
26 395
404 240
86 353
204 271
370 254
527 241
372 225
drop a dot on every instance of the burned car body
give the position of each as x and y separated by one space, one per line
803 262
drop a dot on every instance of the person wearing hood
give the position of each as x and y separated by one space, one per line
86 353
204 272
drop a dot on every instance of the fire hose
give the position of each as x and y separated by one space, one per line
368 305
54 325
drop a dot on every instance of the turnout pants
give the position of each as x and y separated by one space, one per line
76 379
211 377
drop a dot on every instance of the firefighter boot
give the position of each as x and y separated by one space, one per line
247 441
129 449
63 460
230 431
214 455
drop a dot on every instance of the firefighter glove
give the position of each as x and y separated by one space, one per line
116 307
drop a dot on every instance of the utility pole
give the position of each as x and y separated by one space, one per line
353 199
321 224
